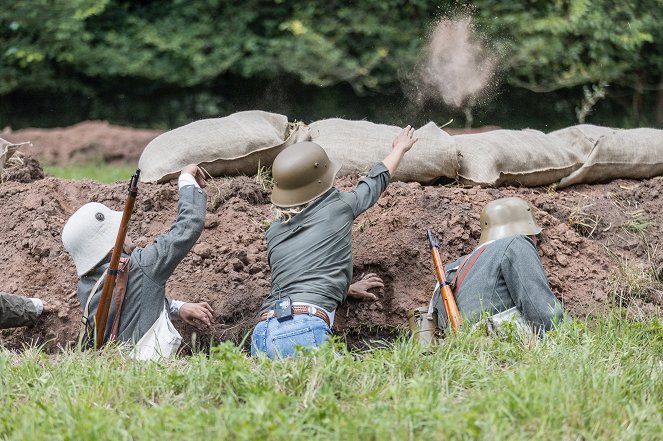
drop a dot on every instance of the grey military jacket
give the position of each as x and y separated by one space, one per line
16 311
149 270
508 273
311 256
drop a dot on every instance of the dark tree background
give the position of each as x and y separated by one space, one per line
164 63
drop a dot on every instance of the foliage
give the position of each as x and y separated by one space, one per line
599 379
93 47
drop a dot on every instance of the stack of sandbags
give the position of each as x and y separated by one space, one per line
613 153
514 157
358 145
232 145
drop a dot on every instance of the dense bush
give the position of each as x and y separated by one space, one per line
95 48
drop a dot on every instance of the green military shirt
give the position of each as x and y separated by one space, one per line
311 255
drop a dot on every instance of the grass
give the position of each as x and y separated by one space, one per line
600 379
97 172
583 223
264 177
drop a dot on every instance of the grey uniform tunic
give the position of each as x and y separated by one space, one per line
16 311
149 270
311 256
508 273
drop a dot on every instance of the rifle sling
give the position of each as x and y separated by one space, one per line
465 267
120 292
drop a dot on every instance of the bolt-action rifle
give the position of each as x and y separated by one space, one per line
101 317
448 299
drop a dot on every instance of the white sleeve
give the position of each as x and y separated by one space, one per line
174 310
39 305
187 179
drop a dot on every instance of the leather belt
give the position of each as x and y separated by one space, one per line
298 309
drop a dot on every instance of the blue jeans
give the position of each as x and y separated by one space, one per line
282 339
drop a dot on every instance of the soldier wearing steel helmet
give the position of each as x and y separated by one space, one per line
309 245
504 273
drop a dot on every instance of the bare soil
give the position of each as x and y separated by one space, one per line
85 142
600 242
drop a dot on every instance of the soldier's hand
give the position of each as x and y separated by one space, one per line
404 141
196 172
359 289
197 314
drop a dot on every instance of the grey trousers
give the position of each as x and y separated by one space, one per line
16 311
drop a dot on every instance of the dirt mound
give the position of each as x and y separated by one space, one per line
228 266
86 142
21 168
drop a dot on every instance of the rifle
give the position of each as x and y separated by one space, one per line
448 299
101 317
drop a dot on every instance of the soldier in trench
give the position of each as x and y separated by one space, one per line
145 320
309 245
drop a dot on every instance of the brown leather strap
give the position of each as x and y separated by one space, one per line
299 309
465 267
120 292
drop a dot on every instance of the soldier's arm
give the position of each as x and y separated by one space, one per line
160 259
369 189
528 285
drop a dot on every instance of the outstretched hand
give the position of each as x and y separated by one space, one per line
197 173
400 146
197 314
359 289
405 140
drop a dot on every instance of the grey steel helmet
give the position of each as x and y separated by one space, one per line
507 217
301 173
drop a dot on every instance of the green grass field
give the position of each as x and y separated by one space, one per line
98 172
600 379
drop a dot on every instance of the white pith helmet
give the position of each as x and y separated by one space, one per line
90 234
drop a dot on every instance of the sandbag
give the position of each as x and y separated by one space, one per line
232 145
581 138
627 154
358 145
514 157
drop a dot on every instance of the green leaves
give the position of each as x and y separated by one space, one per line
100 46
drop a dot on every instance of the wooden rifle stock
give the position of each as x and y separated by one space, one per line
448 299
101 317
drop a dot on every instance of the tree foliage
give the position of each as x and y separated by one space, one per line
545 45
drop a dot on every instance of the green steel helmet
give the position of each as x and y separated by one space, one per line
301 173
507 217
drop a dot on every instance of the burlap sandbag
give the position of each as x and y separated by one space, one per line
232 145
514 157
581 138
7 149
633 154
358 145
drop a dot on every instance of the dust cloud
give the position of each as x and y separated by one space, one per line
456 67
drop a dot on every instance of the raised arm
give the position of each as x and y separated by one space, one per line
160 259
401 145
369 189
